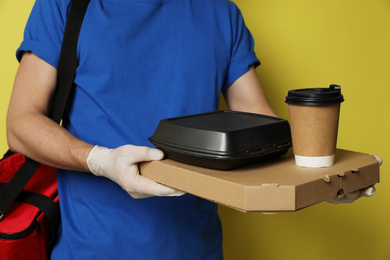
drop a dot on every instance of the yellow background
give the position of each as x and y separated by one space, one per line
300 44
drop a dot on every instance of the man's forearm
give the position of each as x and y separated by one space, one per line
39 138
29 130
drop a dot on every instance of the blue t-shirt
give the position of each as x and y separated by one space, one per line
140 61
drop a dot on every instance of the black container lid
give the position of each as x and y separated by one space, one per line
315 96
221 132
222 139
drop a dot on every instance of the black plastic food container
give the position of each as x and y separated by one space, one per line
222 140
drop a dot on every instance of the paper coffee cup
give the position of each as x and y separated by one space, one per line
314 118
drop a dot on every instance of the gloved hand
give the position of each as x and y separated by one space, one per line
351 197
121 166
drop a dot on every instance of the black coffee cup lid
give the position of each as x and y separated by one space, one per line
315 96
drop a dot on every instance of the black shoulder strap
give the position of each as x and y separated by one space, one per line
68 63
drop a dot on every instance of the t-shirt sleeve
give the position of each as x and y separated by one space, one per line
242 52
44 30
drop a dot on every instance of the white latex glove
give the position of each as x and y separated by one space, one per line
121 166
351 197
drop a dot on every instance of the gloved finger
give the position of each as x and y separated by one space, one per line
337 200
143 153
269 213
368 192
340 198
147 187
379 159
352 196
136 195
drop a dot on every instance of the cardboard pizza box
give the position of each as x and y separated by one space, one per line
275 185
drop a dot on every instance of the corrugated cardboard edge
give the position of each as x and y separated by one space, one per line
311 193
357 178
184 179
268 197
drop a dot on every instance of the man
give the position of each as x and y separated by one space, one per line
139 61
